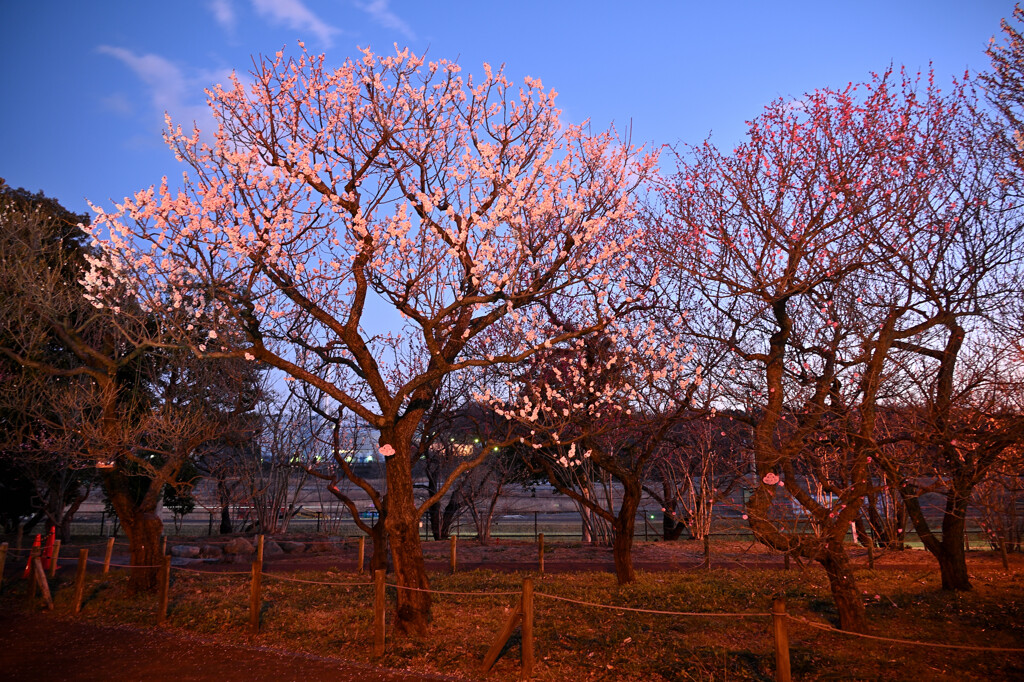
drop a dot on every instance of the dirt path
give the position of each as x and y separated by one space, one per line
40 648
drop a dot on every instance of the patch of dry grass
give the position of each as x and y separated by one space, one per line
578 642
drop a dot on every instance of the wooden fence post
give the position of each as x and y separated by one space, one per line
707 551
106 558
254 598
163 545
33 555
782 672
254 593
527 606
378 612
83 558
785 560
452 560
1002 553
362 552
44 587
514 619
53 559
540 551
165 591
3 562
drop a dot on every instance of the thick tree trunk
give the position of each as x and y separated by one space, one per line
143 528
844 589
402 523
622 545
949 551
64 529
953 569
951 556
225 520
379 553
144 535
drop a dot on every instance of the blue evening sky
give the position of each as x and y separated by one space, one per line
85 83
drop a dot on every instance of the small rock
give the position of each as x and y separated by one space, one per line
293 547
238 546
211 552
271 548
188 551
321 547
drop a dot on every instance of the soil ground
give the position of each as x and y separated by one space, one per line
36 647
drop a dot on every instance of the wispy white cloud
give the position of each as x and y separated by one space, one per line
294 14
380 12
223 13
118 103
169 88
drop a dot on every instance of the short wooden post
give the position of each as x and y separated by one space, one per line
782 672
53 559
83 559
3 562
44 587
362 553
163 545
254 593
378 612
707 551
785 560
527 607
514 619
1002 553
540 551
165 591
967 541
106 558
254 598
452 550
33 555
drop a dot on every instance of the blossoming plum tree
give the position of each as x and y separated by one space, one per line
600 412
795 229
330 195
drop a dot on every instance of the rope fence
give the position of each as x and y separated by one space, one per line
277 576
522 616
450 592
938 645
689 614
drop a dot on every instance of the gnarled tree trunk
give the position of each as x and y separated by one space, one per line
843 587
622 545
402 524
948 551
142 526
